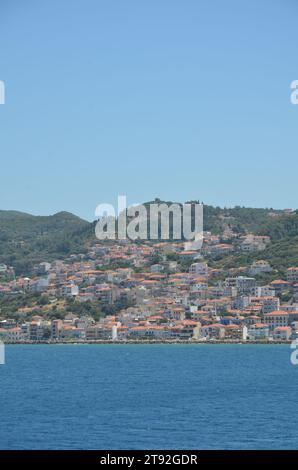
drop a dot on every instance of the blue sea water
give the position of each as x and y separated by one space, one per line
148 397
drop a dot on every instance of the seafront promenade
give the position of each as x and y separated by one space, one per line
127 342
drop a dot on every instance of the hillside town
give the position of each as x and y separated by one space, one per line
126 291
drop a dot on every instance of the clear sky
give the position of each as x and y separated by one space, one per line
177 99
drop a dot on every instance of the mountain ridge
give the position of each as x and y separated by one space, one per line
27 239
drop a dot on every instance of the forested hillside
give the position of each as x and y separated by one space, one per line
26 239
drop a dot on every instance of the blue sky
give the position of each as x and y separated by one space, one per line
163 98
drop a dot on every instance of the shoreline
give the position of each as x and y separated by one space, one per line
128 342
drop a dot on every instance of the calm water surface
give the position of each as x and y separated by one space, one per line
148 397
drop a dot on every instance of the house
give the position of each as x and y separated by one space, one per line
36 331
252 242
101 331
293 316
85 297
200 269
15 334
200 288
84 321
69 290
149 332
56 327
171 265
245 285
176 313
280 285
92 333
282 333
185 330
106 295
264 291
189 254
236 332
220 249
292 275
189 329
122 332
72 332
8 323
12 335
42 268
251 320
157 268
25 327
259 267
258 331
242 302
276 318
269 304
70 319
213 331
227 320
139 331
39 285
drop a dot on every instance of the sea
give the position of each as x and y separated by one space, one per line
148 396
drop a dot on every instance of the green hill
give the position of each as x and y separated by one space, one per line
283 249
27 239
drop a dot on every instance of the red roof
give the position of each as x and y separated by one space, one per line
276 313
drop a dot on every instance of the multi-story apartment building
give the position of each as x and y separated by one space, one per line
245 285
213 331
200 269
56 327
258 331
253 242
276 319
69 290
282 333
269 304
292 275
260 267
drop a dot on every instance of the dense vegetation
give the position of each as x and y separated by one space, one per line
26 240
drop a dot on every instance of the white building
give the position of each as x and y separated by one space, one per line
157 268
200 269
292 275
260 267
270 304
214 331
14 335
245 285
258 331
264 291
254 243
282 333
69 290
276 319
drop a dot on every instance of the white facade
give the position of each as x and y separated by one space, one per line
275 319
200 269
258 332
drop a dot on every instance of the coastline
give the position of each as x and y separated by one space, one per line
128 342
